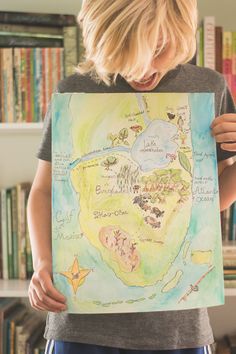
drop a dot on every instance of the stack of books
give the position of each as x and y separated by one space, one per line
15 248
21 331
36 52
226 345
228 223
216 49
229 261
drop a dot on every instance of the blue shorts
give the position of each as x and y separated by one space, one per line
59 347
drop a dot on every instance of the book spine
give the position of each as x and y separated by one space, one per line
21 236
37 84
17 84
230 283
4 234
28 251
9 85
70 48
36 19
14 233
209 42
55 69
28 83
4 86
40 84
44 105
9 234
219 48
199 59
47 78
23 83
81 49
227 221
230 262
50 73
227 57
62 63
32 84
1 87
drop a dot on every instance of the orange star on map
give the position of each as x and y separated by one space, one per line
76 275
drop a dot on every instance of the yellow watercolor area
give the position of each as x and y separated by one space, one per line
201 257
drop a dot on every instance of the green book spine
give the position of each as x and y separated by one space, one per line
9 234
70 49
4 233
32 86
14 233
200 54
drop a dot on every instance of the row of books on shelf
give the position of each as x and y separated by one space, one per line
15 248
28 77
228 223
21 331
229 263
225 345
36 52
216 49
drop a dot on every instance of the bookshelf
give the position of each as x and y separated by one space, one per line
19 128
21 141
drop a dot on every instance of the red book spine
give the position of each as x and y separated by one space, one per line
58 64
219 49
50 73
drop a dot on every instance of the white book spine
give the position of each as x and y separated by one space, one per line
209 42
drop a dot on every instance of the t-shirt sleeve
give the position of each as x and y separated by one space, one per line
227 106
44 150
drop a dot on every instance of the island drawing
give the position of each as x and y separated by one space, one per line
135 202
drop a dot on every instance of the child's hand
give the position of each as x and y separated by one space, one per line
224 131
42 294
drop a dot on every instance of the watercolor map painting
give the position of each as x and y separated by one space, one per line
135 202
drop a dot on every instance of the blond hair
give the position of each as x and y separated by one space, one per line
122 36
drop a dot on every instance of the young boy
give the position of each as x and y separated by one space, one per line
131 45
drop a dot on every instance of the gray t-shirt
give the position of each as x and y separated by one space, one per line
146 330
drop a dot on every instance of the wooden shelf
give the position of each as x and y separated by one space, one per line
14 288
20 127
19 288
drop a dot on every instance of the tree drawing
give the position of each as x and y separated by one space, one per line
110 161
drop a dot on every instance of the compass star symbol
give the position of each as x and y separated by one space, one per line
76 275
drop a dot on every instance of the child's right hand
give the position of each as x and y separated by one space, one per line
42 294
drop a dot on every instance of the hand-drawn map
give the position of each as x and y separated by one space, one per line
135 202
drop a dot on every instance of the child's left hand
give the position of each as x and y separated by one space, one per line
224 131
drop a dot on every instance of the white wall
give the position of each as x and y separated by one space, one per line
48 6
224 10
